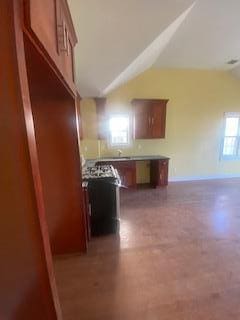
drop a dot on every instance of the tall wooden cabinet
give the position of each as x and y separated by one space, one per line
54 108
56 131
149 118
41 189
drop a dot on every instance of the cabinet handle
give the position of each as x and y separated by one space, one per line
67 39
149 121
63 45
152 121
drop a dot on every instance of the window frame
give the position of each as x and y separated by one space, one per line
231 157
115 115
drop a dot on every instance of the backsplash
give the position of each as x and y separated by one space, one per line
92 148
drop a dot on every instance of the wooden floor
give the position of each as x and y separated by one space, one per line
177 257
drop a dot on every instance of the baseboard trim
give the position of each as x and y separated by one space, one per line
211 177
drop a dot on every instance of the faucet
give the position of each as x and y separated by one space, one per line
119 152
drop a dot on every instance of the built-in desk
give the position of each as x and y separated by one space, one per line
126 167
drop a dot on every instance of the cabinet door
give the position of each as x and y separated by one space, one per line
66 41
50 26
142 120
150 118
158 119
127 172
41 21
130 177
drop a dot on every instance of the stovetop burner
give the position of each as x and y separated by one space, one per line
97 172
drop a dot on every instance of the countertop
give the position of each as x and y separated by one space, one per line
127 158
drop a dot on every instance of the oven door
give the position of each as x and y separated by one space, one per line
105 206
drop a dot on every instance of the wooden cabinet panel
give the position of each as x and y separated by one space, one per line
50 26
159 173
56 132
66 40
66 63
149 118
41 20
28 289
127 172
142 121
158 120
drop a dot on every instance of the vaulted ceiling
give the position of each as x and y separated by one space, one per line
117 40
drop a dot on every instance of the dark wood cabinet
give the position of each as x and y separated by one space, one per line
50 26
126 171
149 118
28 287
159 173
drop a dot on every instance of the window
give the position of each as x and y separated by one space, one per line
119 130
231 140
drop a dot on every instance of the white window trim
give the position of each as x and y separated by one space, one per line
230 157
122 145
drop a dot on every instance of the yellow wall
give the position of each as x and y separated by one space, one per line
197 102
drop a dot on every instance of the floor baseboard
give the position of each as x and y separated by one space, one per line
211 177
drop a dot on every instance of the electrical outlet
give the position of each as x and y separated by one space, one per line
139 146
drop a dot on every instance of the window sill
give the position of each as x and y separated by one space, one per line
229 158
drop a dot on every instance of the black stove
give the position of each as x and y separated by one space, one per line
103 184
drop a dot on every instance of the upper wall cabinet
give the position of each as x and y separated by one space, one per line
149 118
49 24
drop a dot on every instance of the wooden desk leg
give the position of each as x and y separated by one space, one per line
159 173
